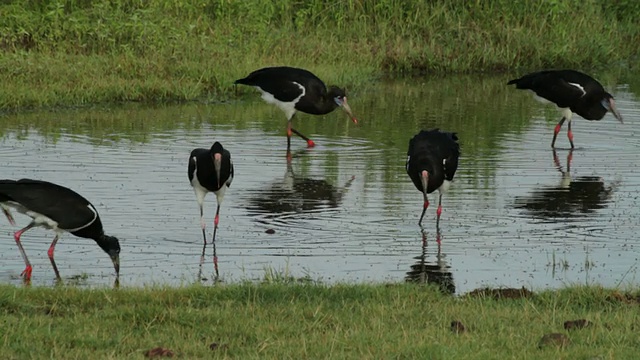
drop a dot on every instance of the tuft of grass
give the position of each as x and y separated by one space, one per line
283 276
292 320
74 52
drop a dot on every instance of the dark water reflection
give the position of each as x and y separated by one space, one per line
431 266
296 194
344 210
572 196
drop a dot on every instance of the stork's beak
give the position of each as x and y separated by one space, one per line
115 258
217 165
614 110
347 109
424 178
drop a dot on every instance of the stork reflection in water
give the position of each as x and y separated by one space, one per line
428 272
573 196
295 193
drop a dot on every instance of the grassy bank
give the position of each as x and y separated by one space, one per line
284 321
79 51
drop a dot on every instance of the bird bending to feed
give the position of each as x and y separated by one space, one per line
292 89
210 170
573 92
432 161
57 208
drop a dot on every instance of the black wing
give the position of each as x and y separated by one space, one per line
281 82
441 145
191 168
450 163
561 87
69 209
230 179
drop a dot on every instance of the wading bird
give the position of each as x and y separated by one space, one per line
57 208
210 170
292 89
432 161
573 92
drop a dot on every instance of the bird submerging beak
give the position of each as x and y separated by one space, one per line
115 258
342 102
610 105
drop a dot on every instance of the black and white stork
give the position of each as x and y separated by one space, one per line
210 170
432 161
293 89
573 92
57 208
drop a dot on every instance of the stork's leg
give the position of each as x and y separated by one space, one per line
439 211
556 131
203 225
50 253
8 215
26 274
424 209
289 130
310 142
570 134
215 229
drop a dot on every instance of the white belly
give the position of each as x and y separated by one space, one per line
38 218
444 187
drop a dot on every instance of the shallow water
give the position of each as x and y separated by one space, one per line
344 211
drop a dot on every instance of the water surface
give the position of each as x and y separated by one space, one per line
345 211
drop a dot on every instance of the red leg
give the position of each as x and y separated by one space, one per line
570 134
289 135
310 142
424 209
291 130
26 274
439 211
50 253
556 131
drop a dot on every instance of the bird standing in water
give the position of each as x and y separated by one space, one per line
57 208
432 161
210 170
573 92
292 89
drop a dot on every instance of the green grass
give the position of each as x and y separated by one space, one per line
283 320
81 52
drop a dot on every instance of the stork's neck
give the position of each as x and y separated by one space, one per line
326 104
